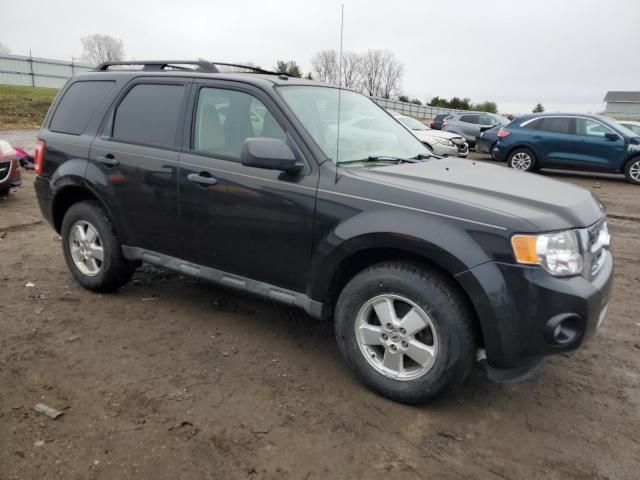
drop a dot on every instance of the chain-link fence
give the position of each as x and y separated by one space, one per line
37 72
413 110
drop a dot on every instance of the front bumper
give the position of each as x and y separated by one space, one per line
517 305
10 174
450 151
482 145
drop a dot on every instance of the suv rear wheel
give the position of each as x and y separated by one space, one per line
632 171
522 159
405 331
92 250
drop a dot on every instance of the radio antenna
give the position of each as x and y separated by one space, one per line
339 88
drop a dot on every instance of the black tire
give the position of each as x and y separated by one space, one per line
115 270
4 192
447 310
512 159
632 171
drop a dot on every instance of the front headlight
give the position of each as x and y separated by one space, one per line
558 253
444 141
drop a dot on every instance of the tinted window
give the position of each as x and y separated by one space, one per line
591 128
224 118
555 125
149 114
78 105
469 119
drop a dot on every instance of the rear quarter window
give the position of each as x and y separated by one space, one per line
78 105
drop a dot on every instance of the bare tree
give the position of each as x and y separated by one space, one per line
98 48
325 66
391 76
371 71
4 50
351 66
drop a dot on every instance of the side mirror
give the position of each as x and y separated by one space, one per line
269 153
612 136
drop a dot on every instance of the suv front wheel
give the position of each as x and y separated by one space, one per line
92 250
405 331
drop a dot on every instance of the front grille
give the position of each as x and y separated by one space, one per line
598 240
5 169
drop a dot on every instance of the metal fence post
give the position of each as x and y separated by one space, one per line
33 77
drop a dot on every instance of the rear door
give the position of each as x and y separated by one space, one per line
554 141
137 150
250 222
594 150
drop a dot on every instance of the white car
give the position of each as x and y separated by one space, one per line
441 143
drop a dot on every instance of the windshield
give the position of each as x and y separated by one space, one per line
627 129
366 130
413 124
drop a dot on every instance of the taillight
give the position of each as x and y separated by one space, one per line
502 133
38 157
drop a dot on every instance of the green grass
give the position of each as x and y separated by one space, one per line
24 107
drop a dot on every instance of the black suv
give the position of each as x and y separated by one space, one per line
260 182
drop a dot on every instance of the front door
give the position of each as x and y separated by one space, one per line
251 222
596 151
138 152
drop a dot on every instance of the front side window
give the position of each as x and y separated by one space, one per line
334 119
591 128
225 118
149 115
555 125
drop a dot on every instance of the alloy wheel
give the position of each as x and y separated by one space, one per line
521 161
396 337
634 171
86 248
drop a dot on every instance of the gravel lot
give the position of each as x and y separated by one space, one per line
174 378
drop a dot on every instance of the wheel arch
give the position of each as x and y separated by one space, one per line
69 194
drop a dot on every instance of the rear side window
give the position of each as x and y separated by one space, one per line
149 115
555 125
78 105
469 119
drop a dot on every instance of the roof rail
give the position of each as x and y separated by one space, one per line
187 65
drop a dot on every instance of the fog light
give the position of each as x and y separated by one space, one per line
563 330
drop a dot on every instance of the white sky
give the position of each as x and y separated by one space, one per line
563 53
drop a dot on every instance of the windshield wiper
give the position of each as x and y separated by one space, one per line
386 158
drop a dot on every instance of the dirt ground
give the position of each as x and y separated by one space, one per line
172 378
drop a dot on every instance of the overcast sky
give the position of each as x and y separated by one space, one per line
563 53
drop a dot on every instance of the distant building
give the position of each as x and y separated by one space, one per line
623 105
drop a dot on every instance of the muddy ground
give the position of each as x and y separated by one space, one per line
173 378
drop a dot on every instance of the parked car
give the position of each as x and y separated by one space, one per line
425 264
470 125
570 141
441 143
10 175
487 140
633 126
439 119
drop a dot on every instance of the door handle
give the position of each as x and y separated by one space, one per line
109 160
537 137
202 178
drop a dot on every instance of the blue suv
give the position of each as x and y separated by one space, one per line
576 142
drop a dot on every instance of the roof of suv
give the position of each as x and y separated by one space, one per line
203 69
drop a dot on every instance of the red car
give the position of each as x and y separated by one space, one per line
10 175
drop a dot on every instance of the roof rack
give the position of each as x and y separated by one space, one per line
184 65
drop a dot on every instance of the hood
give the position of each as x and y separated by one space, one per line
428 134
483 189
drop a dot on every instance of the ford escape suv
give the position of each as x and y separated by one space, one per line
246 179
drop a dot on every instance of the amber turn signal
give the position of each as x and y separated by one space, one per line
524 248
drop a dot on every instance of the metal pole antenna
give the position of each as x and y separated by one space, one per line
339 88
